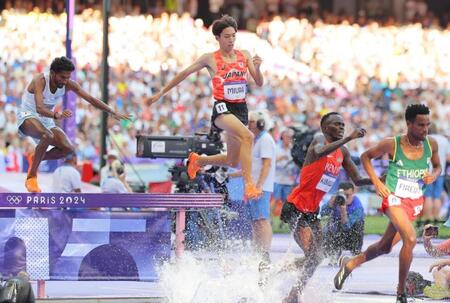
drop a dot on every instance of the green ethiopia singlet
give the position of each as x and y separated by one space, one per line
404 176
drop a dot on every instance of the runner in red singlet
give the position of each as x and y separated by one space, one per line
324 159
228 69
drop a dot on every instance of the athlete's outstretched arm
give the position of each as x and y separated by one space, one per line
254 64
352 170
431 177
194 67
319 147
76 88
385 146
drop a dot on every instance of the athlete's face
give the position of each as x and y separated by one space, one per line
227 39
61 78
334 127
418 129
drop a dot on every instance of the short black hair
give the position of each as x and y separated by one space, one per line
220 24
346 185
62 64
416 109
326 117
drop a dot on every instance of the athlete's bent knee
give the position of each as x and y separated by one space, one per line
247 137
67 149
233 163
410 240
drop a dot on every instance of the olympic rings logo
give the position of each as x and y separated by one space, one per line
13 199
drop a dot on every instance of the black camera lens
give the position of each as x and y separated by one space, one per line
340 198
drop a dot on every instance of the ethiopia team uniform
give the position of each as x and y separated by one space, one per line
230 88
405 180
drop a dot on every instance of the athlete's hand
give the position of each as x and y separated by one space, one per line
359 132
64 115
121 116
154 98
439 265
382 190
428 178
257 61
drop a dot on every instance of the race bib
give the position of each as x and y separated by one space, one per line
326 183
394 201
221 108
408 189
234 90
417 210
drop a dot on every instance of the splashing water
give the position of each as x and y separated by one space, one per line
232 277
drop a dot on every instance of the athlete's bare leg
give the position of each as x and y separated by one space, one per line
239 147
61 143
34 128
56 137
310 241
400 227
400 220
383 246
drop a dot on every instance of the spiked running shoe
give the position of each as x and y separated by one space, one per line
193 167
32 185
342 274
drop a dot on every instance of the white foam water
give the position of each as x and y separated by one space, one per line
232 277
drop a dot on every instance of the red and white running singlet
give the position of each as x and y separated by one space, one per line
316 179
230 81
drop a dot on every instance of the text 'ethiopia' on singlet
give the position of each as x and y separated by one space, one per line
404 176
230 81
316 179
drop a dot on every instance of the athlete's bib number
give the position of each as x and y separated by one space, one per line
326 183
394 201
221 108
408 189
234 91
417 210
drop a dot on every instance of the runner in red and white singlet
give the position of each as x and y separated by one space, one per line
228 70
324 159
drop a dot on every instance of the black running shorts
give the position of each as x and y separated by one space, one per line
239 110
294 217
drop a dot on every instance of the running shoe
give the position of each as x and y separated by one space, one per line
192 166
32 185
342 274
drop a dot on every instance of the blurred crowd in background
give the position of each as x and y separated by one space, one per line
369 73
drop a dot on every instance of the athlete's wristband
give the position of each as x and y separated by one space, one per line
54 116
